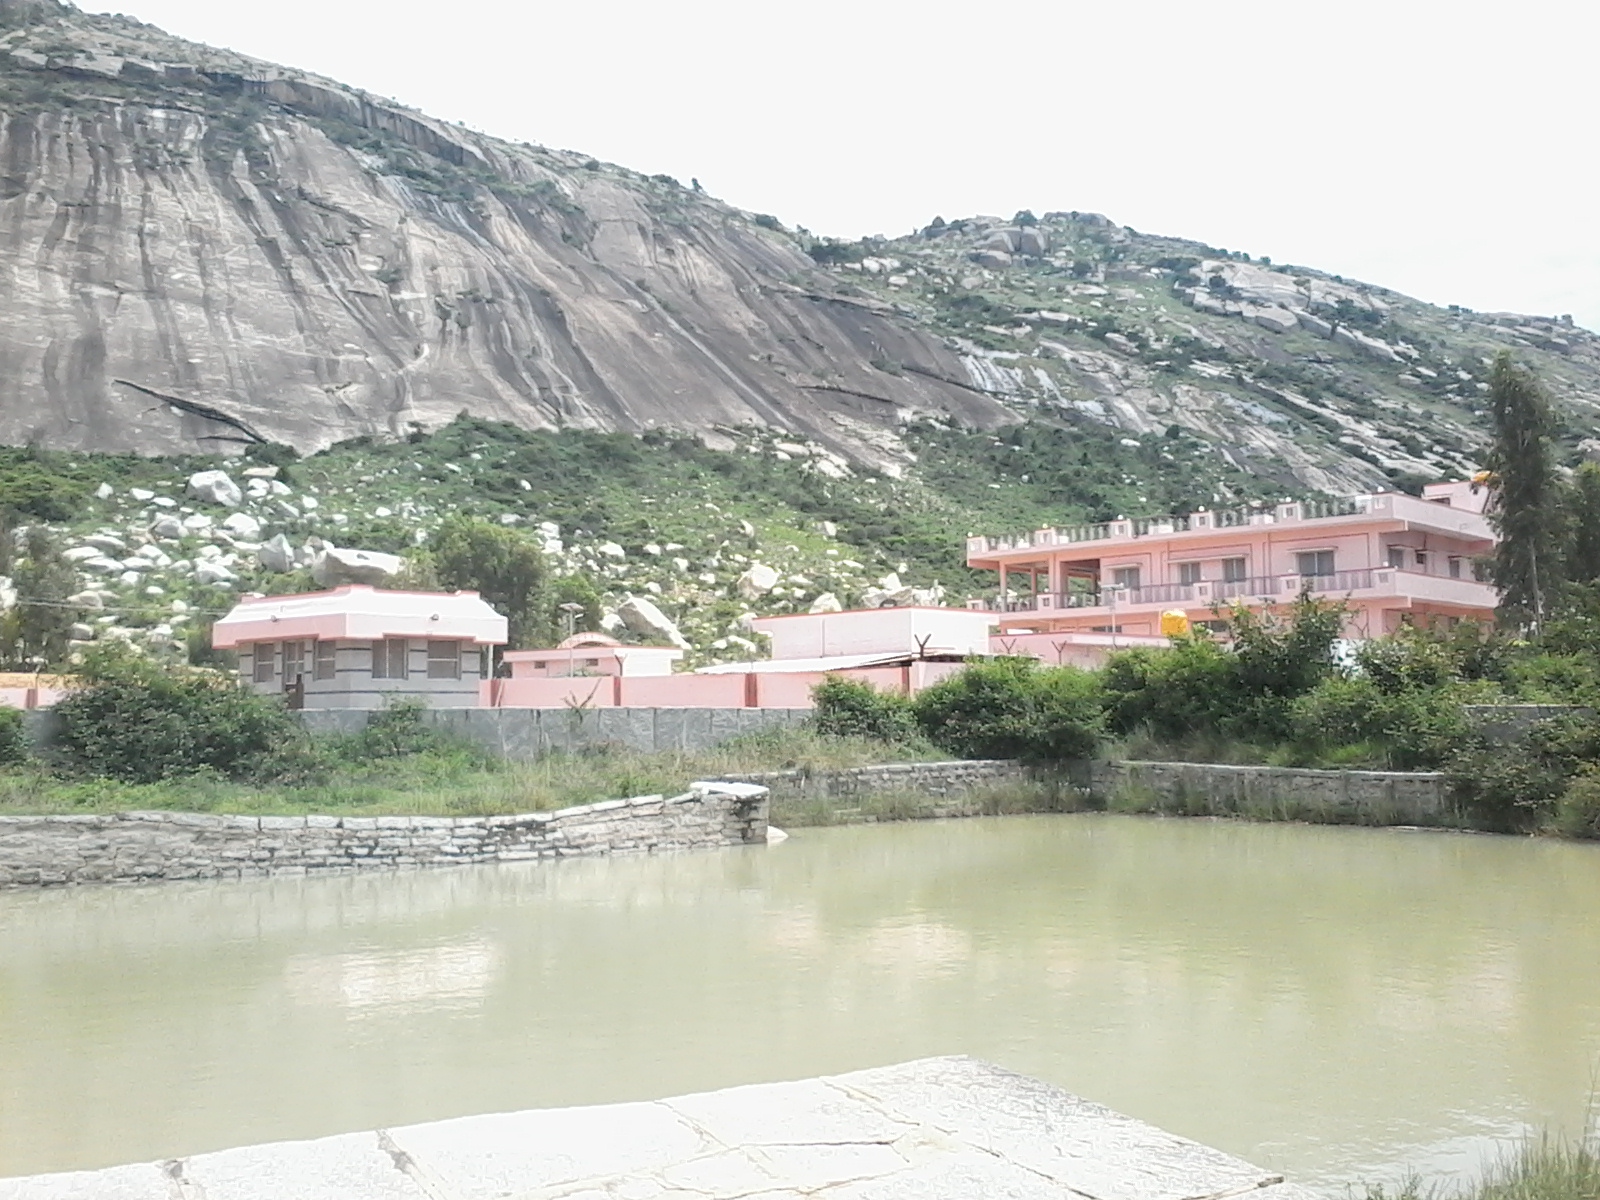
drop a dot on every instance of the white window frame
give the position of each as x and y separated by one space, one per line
264 662
391 659
1301 555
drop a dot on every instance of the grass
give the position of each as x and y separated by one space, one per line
449 780
1542 1168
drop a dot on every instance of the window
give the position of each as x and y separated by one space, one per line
484 658
1397 557
1234 570
1188 573
591 662
1105 629
1126 577
1314 562
294 661
265 654
1422 558
1455 568
327 660
444 660
540 665
391 659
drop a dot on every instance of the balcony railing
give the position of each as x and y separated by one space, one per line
1221 591
1387 504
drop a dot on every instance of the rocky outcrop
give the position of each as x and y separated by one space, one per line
201 250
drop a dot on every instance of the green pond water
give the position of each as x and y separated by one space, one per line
1340 1004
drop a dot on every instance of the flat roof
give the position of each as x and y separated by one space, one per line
357 612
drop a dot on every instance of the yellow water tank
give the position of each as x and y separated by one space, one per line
1174 623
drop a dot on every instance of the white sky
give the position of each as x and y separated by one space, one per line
1445 149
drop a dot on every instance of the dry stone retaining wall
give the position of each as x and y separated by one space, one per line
932 779
1360 797
137 847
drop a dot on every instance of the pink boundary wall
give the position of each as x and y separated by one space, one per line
756 689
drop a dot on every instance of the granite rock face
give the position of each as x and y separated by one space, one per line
202 249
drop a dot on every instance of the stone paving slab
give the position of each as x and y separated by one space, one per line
938 1129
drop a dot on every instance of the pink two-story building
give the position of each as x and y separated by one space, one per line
1388 557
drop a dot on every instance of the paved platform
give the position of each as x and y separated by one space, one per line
938 1129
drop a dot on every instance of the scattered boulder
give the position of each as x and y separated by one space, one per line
276 555
8 593
1373 347
80 554
1278 320
612 550
106 542
166 526
243 525
142 495
758 580
826 603
216 487
105 491
996 260
1313 324
1033 241
82 633
1002 240
212 572
645 619
260 472
195 522
337 566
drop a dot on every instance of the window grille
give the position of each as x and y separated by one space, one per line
294 661
327 660
265 656
1315 562
391 659
444 660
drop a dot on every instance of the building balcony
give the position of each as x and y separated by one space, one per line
1370 584
1388 509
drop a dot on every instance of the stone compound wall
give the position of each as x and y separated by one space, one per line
525 734
1356 797
138 847
946 779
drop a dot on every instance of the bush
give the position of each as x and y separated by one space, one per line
1516 788
13 744
1013 708
847 708
1578 810
1175 694
140 722
1409 730
397 731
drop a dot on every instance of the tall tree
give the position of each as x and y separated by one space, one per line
1525 510
505 567
1583 525
36 632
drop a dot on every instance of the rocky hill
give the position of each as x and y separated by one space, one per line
202 250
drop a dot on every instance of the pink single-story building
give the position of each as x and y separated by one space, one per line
357 646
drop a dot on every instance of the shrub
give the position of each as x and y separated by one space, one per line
1013 708
398 730
1174 693
1578 810
140 722
13 743
1410 730
1516 788
848 708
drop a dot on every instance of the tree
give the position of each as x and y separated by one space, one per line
1583 524
503 566
1524 509
37 631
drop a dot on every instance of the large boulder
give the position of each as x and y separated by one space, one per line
211 572
997 260
1278 320
758 580
243 525
215 487
1033 241
642 617
826 603
166 526
276 555
337 566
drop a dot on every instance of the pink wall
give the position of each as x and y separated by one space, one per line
681 691
594 691
26 698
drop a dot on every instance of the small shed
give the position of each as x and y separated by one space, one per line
358 646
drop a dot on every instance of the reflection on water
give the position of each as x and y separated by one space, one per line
437 979
1340 1004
